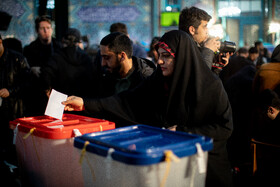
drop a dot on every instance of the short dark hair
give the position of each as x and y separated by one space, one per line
258 43
253 50
243 50
13 43
118 27
72 37
192 17
118 42
154 41
39 19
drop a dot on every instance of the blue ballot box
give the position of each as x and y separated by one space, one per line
142 155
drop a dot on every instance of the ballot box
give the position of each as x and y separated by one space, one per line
141 155
45 150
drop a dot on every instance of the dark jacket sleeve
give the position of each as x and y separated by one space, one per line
113 108
207 56
129 107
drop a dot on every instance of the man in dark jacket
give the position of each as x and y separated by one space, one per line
37 53
194 21
119 70
14 71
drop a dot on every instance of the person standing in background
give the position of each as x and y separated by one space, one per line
264 54
194 21
138 50
153 54
14 72
38 53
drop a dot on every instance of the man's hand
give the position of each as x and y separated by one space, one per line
226 59
74 103
4 93
173 128
48 92
213 44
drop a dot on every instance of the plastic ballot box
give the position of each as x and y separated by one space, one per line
45 148
141 155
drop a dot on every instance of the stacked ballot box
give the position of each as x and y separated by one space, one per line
141 155
45 148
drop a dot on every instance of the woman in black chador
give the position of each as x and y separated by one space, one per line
183 92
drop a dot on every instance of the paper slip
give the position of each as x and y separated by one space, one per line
54 107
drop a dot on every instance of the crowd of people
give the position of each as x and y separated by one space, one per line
179 84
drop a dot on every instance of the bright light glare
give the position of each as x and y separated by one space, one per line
274 27
211 23
229 11
50 4
168 8
216 30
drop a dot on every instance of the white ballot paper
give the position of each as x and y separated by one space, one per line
54 107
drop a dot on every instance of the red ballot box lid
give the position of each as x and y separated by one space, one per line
51 128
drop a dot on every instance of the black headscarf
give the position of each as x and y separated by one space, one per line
198 103
197 100
275 57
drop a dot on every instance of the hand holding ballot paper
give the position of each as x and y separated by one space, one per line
74 103
54 107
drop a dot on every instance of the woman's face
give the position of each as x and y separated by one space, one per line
166 62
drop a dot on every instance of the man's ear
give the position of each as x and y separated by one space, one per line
192 30
123 55
271 110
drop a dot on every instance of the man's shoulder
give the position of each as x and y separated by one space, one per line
33 43
145 66
143 63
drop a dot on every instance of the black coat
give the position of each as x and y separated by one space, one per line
14 77
239 90
106 85
14 73
235 64
37 55
195 101
69 71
